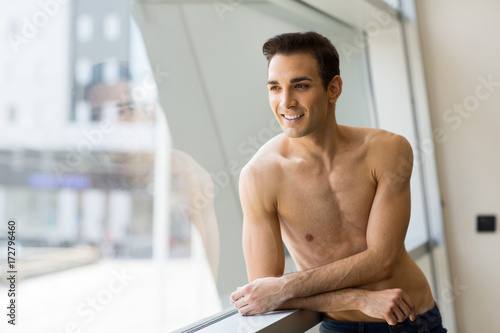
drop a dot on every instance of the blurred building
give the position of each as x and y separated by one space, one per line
76 127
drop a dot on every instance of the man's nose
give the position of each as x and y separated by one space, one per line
288 100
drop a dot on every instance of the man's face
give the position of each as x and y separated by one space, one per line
296 94
118 98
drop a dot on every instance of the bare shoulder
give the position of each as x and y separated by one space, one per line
377 141
261 174
387 143
388 153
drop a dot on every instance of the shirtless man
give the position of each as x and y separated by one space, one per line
337 196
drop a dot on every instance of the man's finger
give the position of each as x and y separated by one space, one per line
398 314
240 303
411 305
245 310
405 309
391 320
413 315
235 296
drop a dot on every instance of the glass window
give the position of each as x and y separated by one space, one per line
395 114
117 231
213 90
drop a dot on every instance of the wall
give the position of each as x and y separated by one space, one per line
461 52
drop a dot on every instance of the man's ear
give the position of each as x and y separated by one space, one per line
334 89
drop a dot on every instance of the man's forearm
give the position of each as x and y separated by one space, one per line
339 300
269 293
353 271
391 305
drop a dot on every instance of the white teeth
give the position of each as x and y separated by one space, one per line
292 117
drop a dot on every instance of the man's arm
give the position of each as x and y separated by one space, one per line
262 244
386 230
392 305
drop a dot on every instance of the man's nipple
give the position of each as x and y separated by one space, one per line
309 237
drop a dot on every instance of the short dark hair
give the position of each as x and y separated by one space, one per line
306 42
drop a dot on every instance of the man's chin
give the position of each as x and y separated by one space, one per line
292 133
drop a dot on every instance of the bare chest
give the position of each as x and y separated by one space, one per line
323 216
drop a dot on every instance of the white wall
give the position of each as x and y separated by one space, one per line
460 47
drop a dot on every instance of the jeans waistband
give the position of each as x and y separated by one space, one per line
427 319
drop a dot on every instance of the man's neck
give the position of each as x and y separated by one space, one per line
323 145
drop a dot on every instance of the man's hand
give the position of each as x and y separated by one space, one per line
260 296
393 305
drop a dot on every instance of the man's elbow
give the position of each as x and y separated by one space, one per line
387 269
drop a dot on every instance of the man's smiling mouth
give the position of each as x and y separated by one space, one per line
292 117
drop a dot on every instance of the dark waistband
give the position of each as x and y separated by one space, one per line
428 318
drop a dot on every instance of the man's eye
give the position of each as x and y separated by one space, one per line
274 88
302 86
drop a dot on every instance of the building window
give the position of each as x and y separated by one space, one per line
84 28
83 71
112 27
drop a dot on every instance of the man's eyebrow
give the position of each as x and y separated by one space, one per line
298 79
294 80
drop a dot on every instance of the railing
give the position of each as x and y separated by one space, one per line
290 321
